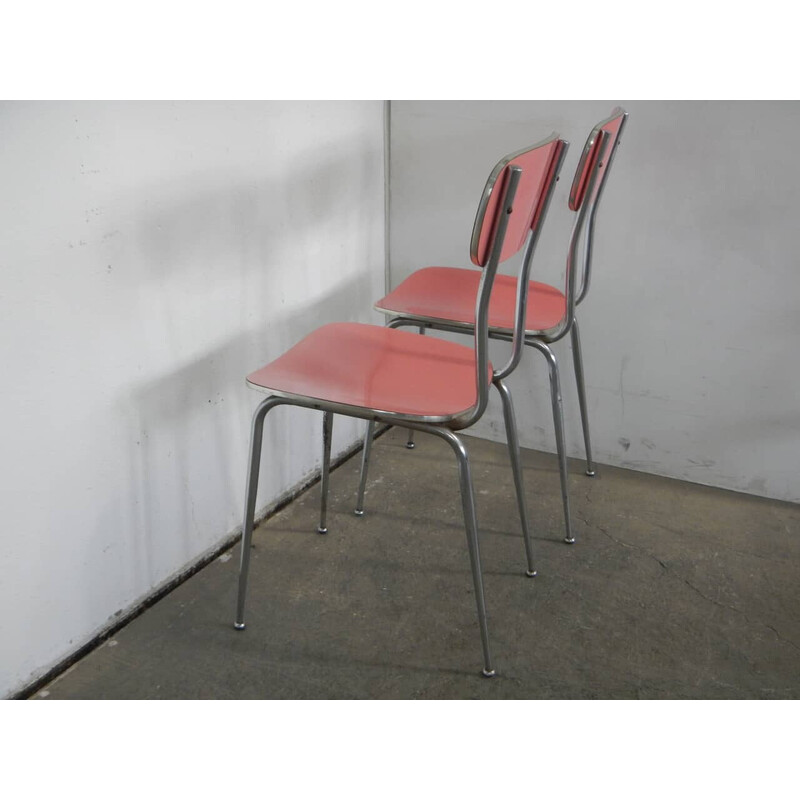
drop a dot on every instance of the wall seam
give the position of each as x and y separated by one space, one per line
387 175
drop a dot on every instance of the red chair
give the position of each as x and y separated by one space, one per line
442 298
398 377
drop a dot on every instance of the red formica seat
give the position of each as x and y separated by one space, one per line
365 366
447 294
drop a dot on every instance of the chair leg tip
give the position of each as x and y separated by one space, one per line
570 540
359 512
591 473
488 673
322 530
410 445
531 573
239 626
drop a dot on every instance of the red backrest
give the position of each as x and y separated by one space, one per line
613 126
538 165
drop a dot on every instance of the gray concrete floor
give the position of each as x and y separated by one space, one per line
672 590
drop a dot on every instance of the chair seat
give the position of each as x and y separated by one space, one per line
372 368
448 294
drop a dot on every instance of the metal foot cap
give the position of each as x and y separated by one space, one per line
359 512
239 626
488 673
322 530
570 541
531 573
410 445
591 473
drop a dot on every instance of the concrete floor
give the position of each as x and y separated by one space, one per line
672 590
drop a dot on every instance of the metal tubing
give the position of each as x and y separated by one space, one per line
327 431
365 453
520 312
558 422
471 525
578 258
513 450
481 330
256 436
597 192
577 358
410 441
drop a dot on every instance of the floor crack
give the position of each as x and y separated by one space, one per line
624 544
781 638
720 545
687 582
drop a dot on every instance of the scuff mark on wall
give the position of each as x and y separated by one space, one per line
703 462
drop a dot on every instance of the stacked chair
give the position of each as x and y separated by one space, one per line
385 375
443 298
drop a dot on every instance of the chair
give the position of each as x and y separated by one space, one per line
391 376
441 298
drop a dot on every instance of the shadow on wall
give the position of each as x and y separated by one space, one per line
187 463
262 219
194 426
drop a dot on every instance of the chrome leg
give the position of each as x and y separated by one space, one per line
327 430
365 452
513 450
558 421
577 358
256 436
471 525
410 440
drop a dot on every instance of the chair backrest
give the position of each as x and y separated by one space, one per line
511 211
537 164
590 178
613 127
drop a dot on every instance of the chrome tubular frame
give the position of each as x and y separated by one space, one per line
521 309
410 440
253 467
578 263
577 361
444 430
471 526
369 435
558 423
516 466
589 238
327 433
512 439
481 334
467 500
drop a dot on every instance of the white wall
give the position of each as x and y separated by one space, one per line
691 331
152 254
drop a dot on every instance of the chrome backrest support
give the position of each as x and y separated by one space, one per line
503 209
614 126
537 170
512 208
580 193
521 307
577 258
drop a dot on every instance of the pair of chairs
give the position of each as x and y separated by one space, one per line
442 298
387 375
